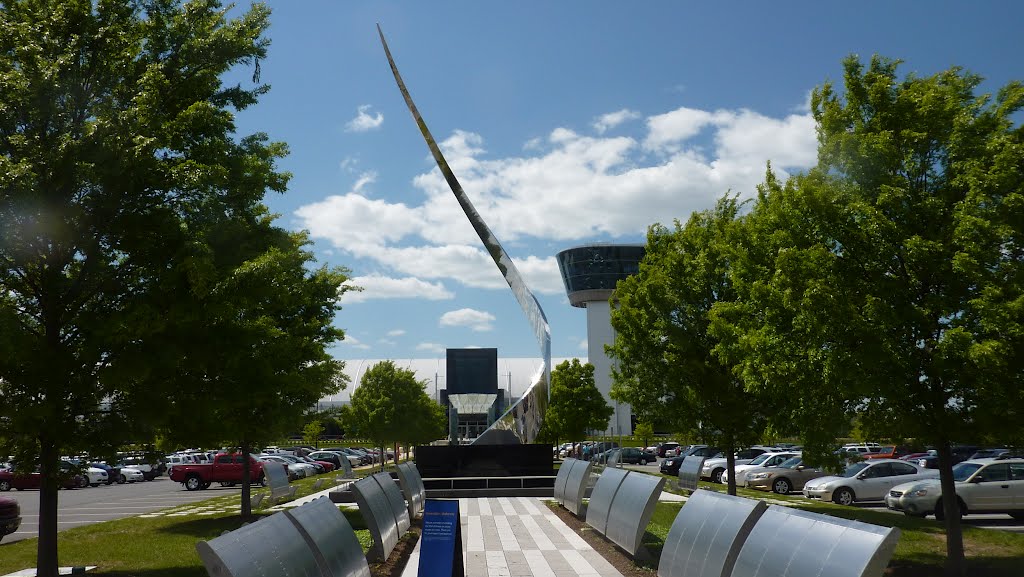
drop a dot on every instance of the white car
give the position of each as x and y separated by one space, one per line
131 475
95 475
982 486
866 481
764 460
714 467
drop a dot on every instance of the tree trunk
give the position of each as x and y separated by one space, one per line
49 468
246 484
956 565
730 465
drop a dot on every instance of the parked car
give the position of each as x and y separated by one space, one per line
10 516
670 466
113 473
714 468
331 457
790 475
865 481
226 468
309 470
295 470
888 452
322 466
762 461
701 451
13 479
665 447
986 485
147 466
129 474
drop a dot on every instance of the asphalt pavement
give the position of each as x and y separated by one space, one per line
77 507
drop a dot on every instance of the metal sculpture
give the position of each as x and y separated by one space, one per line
524 418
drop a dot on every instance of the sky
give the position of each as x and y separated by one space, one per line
567 123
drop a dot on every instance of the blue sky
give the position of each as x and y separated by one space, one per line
566 122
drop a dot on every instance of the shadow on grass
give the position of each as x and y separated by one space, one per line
209 527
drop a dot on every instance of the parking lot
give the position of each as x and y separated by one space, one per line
79 507
995 521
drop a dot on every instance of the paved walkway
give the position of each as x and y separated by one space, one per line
519 537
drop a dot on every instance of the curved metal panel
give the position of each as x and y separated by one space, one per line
576 487
395 500
276 476
346 467
270 547
331 538
632 508
689 472
601 499
407 477
707 535
788 542
380 519
561 478
527 301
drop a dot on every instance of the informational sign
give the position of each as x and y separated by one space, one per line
441 540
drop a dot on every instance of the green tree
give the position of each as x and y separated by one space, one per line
116 142
576 405
383 404
311 433
427 422
889 279
645 431
663 345
252 345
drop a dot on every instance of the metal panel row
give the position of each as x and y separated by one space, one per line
622 504
312 540
718 535
383 508
277 478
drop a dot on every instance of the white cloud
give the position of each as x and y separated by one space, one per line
382 287
387 342
613 119
354 343
476 320
364 120
435 348
565 188
584 345
348 164
364 179
396 332
677 125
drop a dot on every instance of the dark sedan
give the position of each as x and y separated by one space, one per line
670 466
10 516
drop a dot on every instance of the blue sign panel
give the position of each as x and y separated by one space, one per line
441 540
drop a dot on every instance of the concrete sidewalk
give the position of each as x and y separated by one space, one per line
520 536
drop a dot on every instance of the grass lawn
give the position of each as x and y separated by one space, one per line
164 546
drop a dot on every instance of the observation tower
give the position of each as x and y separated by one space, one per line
590 273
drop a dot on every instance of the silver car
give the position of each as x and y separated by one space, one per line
982 486
865 481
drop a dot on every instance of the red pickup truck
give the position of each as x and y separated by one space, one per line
225 468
